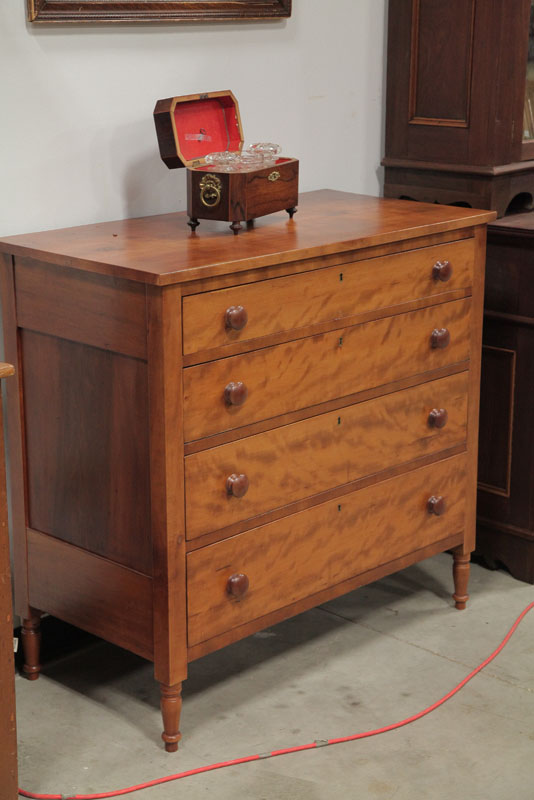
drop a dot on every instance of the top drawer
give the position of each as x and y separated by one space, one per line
280 304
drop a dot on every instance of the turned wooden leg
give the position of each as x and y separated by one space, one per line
291 211
31 642
193 223
460 572
171 706
236 227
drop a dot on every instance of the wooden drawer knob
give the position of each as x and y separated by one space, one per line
440 338
436 505
237 584
236 318
235 393
442 271
237 485
438 418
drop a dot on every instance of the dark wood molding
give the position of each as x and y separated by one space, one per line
156 11
505 455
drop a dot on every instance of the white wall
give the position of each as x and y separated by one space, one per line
78 143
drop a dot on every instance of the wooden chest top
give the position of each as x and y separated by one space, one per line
161 250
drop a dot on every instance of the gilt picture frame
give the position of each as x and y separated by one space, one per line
76 11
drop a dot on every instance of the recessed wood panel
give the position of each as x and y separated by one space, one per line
297 556
496 419
442 45
87 447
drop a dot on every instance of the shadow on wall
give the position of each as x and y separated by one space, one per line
148 186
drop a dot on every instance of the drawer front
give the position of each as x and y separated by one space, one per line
282 304
320 368
297 461
307 552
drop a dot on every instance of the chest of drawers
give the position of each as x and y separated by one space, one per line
211 433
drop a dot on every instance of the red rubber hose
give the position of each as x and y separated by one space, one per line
311 746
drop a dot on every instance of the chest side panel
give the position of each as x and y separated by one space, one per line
85 400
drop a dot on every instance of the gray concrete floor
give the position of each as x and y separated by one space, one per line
91 723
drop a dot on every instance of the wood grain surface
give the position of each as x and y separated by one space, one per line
8 726
167 522
93 309
317 454
162 249
325 545
324 294
317 369
16 449
95 594
86 415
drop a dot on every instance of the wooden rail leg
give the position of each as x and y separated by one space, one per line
31 645
460 572
171 707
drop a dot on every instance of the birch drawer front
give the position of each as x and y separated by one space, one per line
258 309
243 479
254 573
232 392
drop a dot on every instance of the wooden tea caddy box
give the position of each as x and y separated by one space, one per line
192 126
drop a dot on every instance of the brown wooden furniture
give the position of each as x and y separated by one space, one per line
155 10
210 434
8 731
505 526
460 107
191 127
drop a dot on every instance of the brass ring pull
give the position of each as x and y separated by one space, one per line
210 190
274 176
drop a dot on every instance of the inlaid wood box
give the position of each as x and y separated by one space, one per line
192 126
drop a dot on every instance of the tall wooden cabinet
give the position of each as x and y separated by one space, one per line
460 105
212 433
505 531
460 131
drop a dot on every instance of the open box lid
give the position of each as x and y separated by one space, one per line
191 126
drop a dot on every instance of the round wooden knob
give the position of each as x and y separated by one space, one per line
442 271
236 318
235 393
237 584
237 485
438 418
440 338
436 505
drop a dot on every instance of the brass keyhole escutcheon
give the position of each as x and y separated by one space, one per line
274 176
210 190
